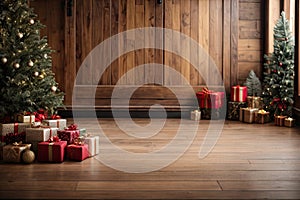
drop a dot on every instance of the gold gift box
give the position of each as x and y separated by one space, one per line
12 153
289 122
248 114
262 117
279 120
253 102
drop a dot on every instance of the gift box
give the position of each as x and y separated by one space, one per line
210 99
238 93
14 137
51 151
289 122
61 124
77 152
248 114
279 120
254 102
233 109
25 118
12 128
209 113
195 115
93 143
262 117
68 135
41 134
13 152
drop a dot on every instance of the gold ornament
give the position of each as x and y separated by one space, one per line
20 35
28 156
36 73
41 76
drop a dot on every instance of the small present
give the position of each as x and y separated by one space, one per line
26 118
279 120
61 124
195 115
51 151
262 117
248 114
93 143
254 102
233 109
210 99
289 122
77 152
13 152
15 137
12 128
69 134
238 93
82 131
209 113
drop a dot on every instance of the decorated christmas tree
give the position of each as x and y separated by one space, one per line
27 82
279 71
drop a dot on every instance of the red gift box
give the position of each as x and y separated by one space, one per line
77 152
68 135
210 99
238 93
51 151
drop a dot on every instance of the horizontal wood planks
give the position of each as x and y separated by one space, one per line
249 161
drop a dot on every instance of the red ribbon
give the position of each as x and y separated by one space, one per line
40 115
16 127
55 117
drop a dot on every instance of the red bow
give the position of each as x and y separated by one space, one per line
40 115
55 117
72 127
54 139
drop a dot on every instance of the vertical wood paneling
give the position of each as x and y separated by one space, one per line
228 30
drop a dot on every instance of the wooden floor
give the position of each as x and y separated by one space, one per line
249 161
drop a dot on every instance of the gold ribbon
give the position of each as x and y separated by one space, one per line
50 151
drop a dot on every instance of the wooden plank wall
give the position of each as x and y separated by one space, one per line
229 30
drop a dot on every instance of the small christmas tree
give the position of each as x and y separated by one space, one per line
253 84
27 82
279 72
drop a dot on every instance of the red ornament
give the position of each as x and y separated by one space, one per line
280 64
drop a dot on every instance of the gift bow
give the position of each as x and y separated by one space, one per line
72 127
55 117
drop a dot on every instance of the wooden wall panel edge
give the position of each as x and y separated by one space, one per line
234 42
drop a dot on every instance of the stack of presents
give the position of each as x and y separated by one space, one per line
241 107
50 139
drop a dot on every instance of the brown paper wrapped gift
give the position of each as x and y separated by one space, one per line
289 122
262 117
253 102
248 114
279 120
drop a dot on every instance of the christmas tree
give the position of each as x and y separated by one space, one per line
253 84
279 72
27 82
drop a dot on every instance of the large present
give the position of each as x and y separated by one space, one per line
254 102
13 152
210 99
61 124
289 122
40 134
51 151
233 110
12 128
279 120
77 152
93 143
262 116
238 93
69 134
248 114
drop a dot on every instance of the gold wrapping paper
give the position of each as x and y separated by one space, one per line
12 153
248 114
253 102
262 117
289 122
279 120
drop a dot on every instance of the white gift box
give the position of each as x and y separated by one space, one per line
195 115
40 134
56 123
93 143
